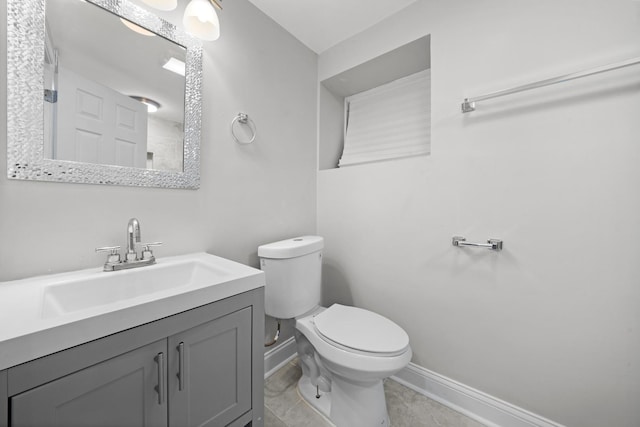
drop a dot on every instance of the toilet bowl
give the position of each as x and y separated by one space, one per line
358 349
345 352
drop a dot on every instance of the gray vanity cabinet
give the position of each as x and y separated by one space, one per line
117 390
212 365
202 367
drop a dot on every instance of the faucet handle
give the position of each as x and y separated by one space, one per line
146 249
114 256
146 246
113 249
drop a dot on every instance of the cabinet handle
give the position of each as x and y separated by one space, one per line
159 359
181 366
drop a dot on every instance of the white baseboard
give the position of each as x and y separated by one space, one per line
473 403
279 356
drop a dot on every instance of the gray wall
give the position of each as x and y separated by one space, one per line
551 323
249 195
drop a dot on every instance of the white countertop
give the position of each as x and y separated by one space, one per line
28 331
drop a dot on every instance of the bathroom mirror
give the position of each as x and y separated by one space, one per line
74 68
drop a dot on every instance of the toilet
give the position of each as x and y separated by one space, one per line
345 352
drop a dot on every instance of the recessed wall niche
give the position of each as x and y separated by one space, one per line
401 62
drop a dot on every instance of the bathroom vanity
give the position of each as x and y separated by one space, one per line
198 363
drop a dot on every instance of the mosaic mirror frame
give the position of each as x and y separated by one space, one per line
25 109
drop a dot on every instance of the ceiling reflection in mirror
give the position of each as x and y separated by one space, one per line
95 62
77 71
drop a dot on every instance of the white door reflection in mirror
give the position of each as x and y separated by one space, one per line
92 45
97 124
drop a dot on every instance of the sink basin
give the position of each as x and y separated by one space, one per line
111 287
46 314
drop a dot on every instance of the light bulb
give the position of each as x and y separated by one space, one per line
162 4
138 29
201 20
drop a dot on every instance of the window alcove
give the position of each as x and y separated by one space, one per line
392 95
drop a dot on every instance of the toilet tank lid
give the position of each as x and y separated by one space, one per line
291 248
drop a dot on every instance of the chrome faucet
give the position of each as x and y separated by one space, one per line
133 237
131 259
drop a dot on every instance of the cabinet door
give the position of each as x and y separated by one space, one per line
210 372
128 390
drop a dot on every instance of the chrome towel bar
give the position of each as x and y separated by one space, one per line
469 104
493 244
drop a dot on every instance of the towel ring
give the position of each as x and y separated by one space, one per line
243 119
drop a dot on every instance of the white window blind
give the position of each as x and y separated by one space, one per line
388 122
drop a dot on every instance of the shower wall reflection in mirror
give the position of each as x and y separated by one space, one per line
105 103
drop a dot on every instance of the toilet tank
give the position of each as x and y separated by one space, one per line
293 270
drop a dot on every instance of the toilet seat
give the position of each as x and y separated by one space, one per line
346 360
360 331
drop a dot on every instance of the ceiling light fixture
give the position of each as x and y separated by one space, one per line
162 4
201 20
152 106
138 29
175 65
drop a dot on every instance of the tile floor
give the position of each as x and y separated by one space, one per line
285 408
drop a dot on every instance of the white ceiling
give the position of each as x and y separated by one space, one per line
321 24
